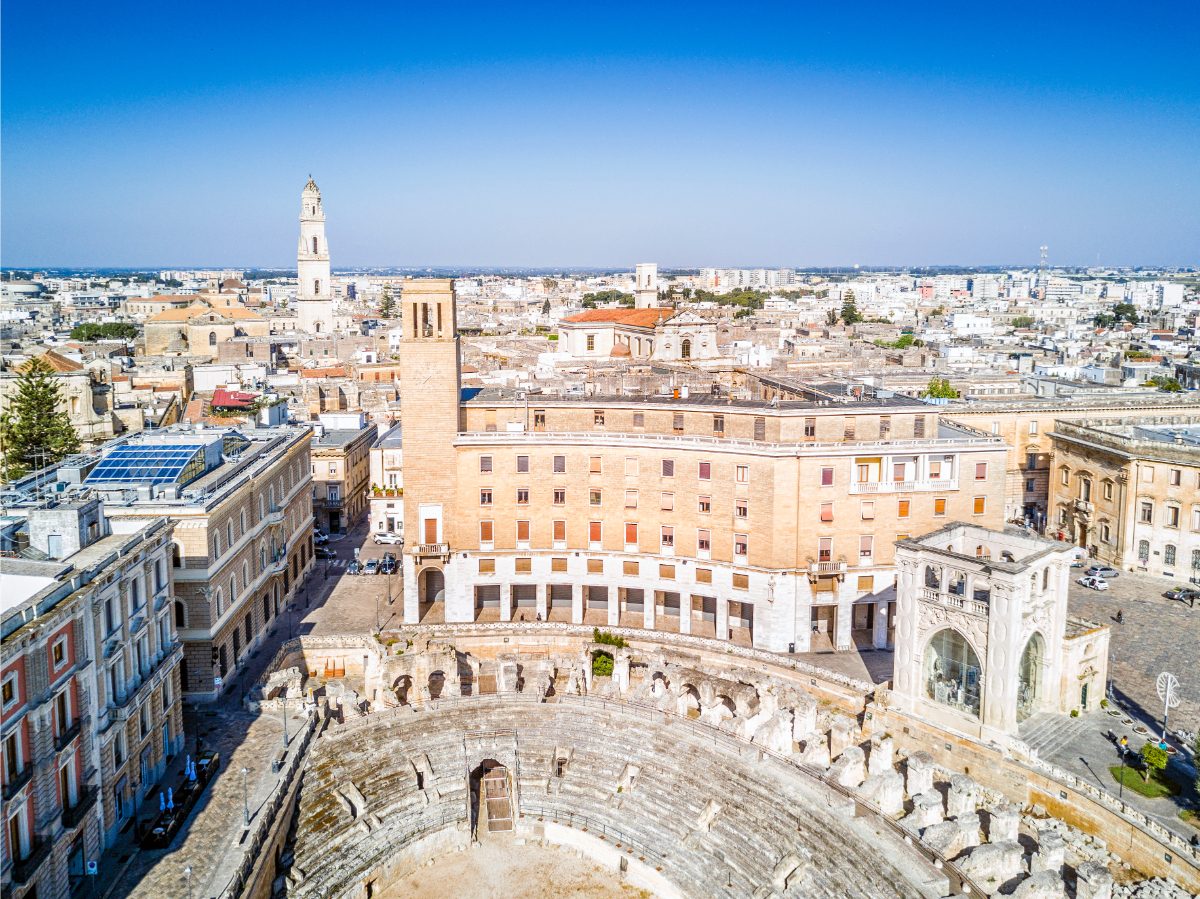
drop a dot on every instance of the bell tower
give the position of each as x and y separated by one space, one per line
430 421
314 300
646 285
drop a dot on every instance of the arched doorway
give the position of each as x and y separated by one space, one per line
951 671
1029 678
491 798
432 585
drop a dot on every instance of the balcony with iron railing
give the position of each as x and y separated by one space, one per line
14 785
73 815
63 740
24 869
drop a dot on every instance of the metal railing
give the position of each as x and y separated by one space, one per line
72 815
593 826
902 486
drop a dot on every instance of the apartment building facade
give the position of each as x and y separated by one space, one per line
766 523
91 700
341 469
387 483
1127 490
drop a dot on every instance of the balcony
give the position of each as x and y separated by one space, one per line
24 869
331 502
279 564
954 601
421 550
274 515
14 786
1083 507
71 817
873 487
826 569
63 740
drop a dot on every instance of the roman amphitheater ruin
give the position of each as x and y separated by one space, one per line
672 766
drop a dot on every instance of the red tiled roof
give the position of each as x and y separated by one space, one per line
233 399
636 318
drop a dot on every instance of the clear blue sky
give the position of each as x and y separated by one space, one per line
601 134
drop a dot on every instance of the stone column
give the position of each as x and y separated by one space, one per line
506 602
542 609
649 602
577 603
880 636
845 619
412 613
685 613
614 606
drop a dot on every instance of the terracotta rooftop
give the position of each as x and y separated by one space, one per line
634 318
59 362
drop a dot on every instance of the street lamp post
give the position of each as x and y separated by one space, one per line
187 876
245 798
285 733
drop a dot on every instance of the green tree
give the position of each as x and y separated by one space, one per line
32 430
387 306
1023 321
831 317
549 284
850 313
592 300
90 331
546 307
1165 383
939 388
1103 320
1155 758
1126 312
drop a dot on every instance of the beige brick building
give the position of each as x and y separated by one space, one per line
341 469
764 523
1128 490
242 510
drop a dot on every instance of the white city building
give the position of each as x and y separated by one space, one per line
314 302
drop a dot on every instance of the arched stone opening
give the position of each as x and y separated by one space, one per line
436 683
402 687
491 798
1030 676
689 701
933 577
951 671
431 587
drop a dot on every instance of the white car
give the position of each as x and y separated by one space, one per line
1093 582
382 537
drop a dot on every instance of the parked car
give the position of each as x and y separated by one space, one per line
324 552
1184 594
1102 571
371 567
354 568
1092 582
387 565
319 536
382 537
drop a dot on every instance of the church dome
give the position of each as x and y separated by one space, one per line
620 349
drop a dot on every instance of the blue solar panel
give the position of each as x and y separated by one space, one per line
146 464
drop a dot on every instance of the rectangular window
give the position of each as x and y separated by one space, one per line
1196 519
741 582
1172 516
522 496
677 422
487 566
631 533
485 496
1176 477
632 468
703 575
826 477
595 465
591 341
867 509
741 544
558 564
1065 477
666 572
979 504
827 511
705 471
1108 489
981 471
866 547
902 509
631 568
919 427
1030 485
668 502
559 531
705 504
668 468
741 508
703 540
523 531
1148 474
668 535
595 566
522 464
631 499
524 565
885 426
1033 427
639 419
718 425
863 473
898 472
849 428
539 419
741 474
58 652
939 506
760 428
485 464
486 531
1147 513
866 583
595 531
598 418
560 464
560 496
595 496
810 428
935 471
